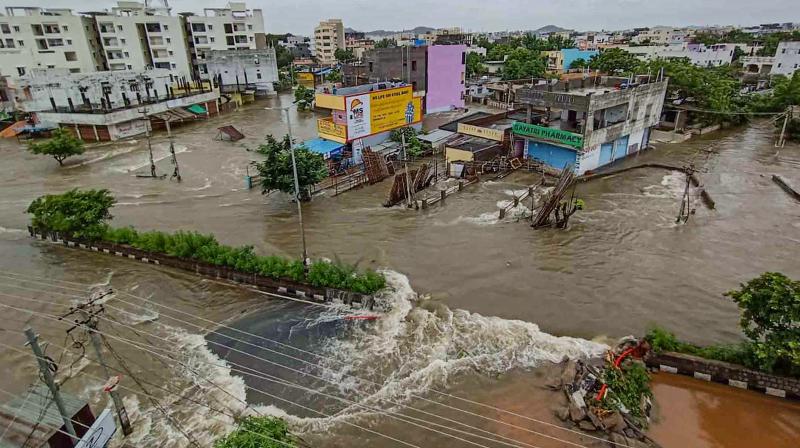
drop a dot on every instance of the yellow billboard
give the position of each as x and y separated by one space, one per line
393 108
305 79
326 128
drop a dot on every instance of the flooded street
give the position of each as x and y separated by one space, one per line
495 295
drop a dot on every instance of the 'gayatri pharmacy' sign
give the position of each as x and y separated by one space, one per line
384 110
550 134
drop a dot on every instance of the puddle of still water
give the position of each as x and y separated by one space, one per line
693 413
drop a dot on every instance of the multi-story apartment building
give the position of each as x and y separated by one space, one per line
231 28
663 35
47 38
328 37
135 37
787 59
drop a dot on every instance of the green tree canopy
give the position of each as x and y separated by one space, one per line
61 145
276 172
614 61
334 76
304 97
82 213
474 65
259 432
344 56
578 63
785 92
770 318
385 43
524 63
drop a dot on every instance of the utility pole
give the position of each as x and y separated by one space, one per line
405 165
143 111
297 189
47 376
177 173
90 322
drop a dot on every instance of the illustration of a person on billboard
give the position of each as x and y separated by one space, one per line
410 112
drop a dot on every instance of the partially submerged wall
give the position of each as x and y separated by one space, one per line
726 373
287 288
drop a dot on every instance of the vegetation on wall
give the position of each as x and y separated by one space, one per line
276 171
61 145
85 215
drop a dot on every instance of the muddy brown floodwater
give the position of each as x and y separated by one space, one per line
493 296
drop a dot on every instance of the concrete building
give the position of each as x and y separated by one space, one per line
446 77
588 123
113 104
239 70
232 28
663 35
787 59
48 38
699 54
758 65
436 72
328 37
359 47
135 37
560 60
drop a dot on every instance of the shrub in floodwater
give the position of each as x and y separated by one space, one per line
261 432
627 386
81 213
121 235
661 340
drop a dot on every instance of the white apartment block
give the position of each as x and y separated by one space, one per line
698 54
231 28
663 35
135 37
328 37
787 59
32 38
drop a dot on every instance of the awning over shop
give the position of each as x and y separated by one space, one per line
435 136
196 109
322 146
174 115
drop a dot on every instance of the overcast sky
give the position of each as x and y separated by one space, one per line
300 16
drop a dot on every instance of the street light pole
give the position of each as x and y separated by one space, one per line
296 188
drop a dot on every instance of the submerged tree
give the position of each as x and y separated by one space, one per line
82 213
61 145
276 171
304 97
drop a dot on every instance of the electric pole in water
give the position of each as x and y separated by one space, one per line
89 312
47 375
143 111
177 173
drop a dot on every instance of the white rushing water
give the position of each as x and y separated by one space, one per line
415 346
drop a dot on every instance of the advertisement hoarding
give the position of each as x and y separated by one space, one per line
376 112
478 131
332 131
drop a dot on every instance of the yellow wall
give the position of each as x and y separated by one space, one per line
306 79
328 101
327 129
458 155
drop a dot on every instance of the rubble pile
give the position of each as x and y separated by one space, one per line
610 395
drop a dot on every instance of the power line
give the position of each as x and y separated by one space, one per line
473 402
279 381
349 401
249 371
360 405
180 397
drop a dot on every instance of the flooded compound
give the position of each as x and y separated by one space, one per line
481 306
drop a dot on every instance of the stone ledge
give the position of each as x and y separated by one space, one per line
726 373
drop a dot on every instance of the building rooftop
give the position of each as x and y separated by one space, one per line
473 144
453 125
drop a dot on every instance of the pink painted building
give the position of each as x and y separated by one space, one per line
446 75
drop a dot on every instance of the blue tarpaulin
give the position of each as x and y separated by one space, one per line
322 146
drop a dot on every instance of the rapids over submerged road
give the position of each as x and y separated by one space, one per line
493 296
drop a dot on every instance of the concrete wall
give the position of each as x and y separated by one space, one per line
408 64
787 59
644 109
571 54
446 75
258 68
